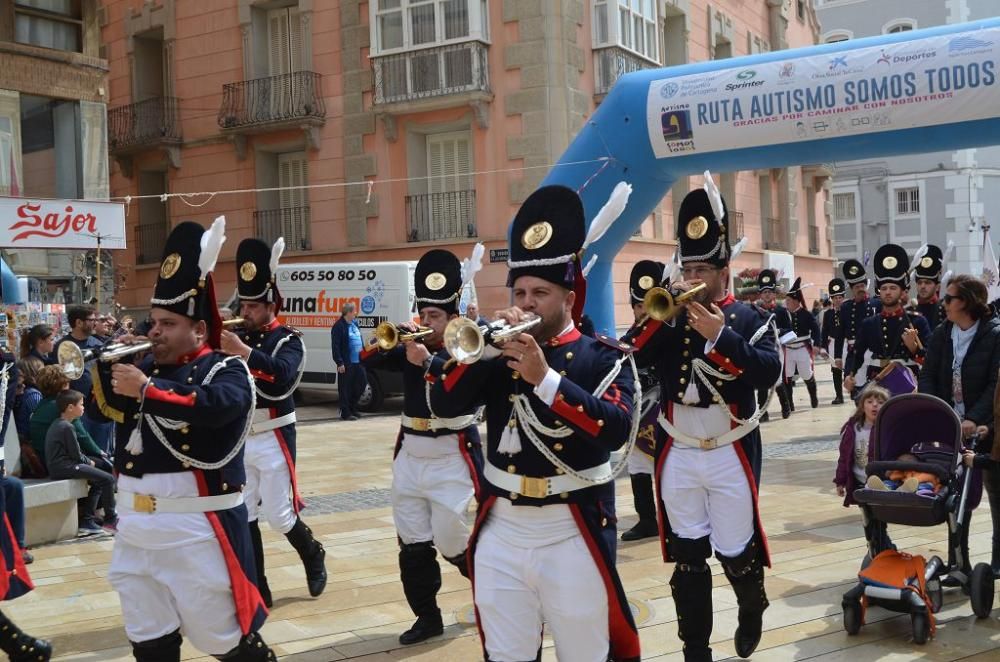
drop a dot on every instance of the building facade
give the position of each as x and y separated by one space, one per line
53 136
920 198
413 123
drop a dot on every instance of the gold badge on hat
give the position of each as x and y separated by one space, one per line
537 235
248 270
889 262
435 281
646 282
765 280
697 227
835 288
171 264
853 271
927 262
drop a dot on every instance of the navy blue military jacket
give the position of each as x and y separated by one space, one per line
852 313
414 384
832 324
600 424
209 418
801 322
882 335
932 312
275 360
672 348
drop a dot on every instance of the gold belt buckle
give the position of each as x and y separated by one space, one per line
707 444
420 424
534 488
144 503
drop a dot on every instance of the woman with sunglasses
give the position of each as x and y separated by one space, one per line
963 357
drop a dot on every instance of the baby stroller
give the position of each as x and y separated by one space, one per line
902 422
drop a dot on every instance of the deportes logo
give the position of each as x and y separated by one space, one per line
967 43
668 90
368 304
746 74
883 59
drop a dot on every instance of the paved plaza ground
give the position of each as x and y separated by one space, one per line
345 473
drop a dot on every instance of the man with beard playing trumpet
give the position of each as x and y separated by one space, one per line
557 404
711 357
437 461
276 358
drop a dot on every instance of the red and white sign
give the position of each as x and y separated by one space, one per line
39 223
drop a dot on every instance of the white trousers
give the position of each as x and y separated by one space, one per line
268 491
799 360
639 463
430 500
706 493
161 590
517 589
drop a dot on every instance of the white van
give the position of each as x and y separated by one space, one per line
313 295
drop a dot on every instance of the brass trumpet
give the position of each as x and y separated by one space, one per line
73 360
663 305
466 341
235 325
388 335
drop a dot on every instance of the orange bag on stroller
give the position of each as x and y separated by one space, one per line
899 571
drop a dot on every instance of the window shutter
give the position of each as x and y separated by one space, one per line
295 40
449 156
292 171
277 42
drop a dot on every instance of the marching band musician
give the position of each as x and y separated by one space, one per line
802 335
852 313
894 334
927 273
767 303
832 328
276 358
437 461
557 403
645 275
709 467
182 559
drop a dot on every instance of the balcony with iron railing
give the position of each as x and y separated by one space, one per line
448 215
149 241
144 124
813 240
292 223
612 63
273 103
772 234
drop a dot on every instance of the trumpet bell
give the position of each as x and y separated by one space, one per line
464 340
663 305
388 335
71 360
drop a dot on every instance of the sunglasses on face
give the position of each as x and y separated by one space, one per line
948 298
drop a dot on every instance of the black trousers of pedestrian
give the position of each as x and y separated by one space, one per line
102 489
351 385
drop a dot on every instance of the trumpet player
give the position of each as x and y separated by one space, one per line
437 461
711 358
83 321
557 404
182 563
276 358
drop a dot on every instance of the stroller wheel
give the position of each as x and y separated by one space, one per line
921 627
852 617
981 590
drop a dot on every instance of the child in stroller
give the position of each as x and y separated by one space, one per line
923 483
929 429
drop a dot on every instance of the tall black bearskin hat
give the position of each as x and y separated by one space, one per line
930 263
892 265
703 226
438 281
767 279
854 272
257 264
837 287
646 274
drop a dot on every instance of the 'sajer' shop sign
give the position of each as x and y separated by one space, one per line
40 223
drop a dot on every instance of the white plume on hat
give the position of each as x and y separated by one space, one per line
714 198
472 264
609 213
919 255
276 251
211 246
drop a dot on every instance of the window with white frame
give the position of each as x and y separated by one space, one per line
835 36
627 23
898 26
401 25
908 201
843 207
49 23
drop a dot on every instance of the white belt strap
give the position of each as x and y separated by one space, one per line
147 503
540 488
263 423
423 424
733 435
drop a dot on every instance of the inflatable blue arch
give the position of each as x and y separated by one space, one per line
919 91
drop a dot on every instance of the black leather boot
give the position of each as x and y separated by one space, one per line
838 386
421 577
782 393
691 589
811 387
162 649
746 575
21 647
258 560
312 554
790 392
762 402
250 649
642 494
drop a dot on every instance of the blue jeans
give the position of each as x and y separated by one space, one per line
13 491
351 384
102 431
